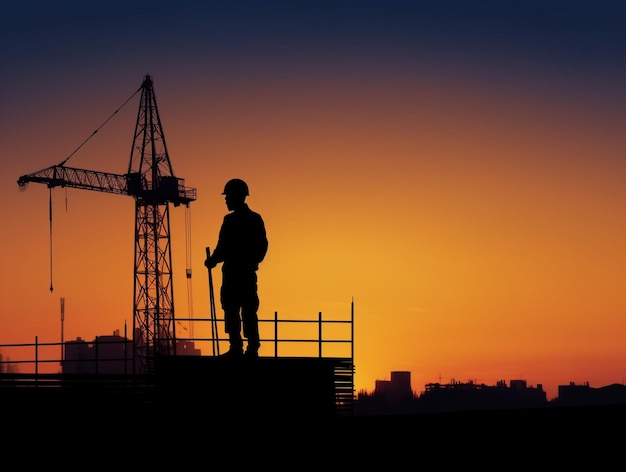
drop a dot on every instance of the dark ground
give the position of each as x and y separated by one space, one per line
592 438
190 426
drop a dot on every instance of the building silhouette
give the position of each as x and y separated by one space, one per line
583 395
390 397
398 389
464 396
395 396
108 354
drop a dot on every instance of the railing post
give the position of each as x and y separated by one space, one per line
352 330
36 360
125 351
275 334
319 331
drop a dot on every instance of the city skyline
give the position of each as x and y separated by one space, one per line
456 170
114 360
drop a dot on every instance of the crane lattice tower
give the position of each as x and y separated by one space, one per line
150 180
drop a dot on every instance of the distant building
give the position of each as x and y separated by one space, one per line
579 395
396 397
6 367
398 389
187 348
465 396
110 354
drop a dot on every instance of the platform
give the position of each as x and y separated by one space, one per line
188 387
267 386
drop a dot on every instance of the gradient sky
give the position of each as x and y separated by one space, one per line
457 168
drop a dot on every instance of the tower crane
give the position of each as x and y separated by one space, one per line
150 180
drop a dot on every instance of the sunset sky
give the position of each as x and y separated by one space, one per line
456 168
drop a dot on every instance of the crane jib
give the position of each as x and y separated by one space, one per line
167 189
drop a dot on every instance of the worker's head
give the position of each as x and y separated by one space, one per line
235 191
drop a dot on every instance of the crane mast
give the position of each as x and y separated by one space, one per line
150 180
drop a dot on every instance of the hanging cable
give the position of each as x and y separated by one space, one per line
66 159
188 268
50 236
99 127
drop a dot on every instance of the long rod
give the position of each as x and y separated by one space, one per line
214 332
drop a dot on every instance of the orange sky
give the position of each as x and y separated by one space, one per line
470 200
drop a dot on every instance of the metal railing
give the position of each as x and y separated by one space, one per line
104 366
282 332
43 357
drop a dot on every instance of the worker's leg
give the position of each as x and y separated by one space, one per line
251 329
249 309
232 324
232 319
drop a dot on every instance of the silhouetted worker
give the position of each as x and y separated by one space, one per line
241 246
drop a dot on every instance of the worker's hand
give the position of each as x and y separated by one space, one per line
209 263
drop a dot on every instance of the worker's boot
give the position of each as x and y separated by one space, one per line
252 351
251 332
233 353
236 347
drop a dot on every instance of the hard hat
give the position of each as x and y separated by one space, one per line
236 187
